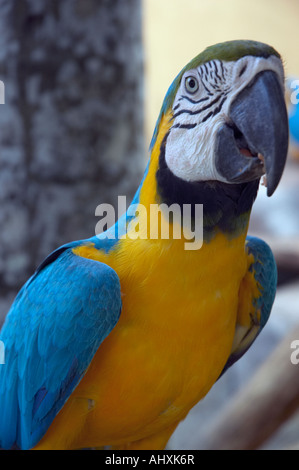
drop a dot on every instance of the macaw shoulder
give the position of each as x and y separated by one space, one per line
256 296
264 270
51 333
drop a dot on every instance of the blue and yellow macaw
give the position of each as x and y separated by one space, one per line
114 339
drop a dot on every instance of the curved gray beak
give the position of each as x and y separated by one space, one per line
255 142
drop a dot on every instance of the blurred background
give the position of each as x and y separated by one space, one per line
84 82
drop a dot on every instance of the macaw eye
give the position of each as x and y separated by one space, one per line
191 84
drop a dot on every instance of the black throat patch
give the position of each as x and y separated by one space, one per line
226 207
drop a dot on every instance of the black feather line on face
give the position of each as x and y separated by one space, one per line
226 207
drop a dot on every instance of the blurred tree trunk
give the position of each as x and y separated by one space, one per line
71 131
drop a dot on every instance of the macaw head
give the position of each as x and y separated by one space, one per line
228 119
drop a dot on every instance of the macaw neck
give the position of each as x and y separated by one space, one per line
226 207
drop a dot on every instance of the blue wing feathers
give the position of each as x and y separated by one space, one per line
265 273
265 270
54 327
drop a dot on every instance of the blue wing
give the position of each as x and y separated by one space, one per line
265 274
51 333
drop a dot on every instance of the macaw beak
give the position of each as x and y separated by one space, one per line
255 141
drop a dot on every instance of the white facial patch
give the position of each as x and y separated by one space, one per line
201 107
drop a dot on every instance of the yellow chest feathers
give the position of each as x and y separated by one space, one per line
179 307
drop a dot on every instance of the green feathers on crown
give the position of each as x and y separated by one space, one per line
230 51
